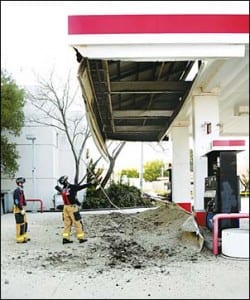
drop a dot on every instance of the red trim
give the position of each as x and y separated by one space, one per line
125 24
65 197
200 217
228 143
22 198
187 206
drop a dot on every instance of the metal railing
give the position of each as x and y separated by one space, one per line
216 219
37 200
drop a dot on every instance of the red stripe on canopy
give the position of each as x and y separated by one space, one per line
229 143
142 24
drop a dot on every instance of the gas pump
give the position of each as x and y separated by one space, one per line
222 188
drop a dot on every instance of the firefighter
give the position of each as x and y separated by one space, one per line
71 213
19 212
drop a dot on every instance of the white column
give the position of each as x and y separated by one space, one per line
141 169
180 165
205 129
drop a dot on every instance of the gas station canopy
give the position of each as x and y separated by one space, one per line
135 101
139 73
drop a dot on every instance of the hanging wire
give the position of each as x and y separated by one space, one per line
108 198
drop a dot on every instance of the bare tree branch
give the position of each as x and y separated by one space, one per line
56 107
53 106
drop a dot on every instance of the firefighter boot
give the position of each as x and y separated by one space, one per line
82 240
66 241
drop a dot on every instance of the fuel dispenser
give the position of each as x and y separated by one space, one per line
222 188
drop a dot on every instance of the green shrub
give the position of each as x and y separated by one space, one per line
121 195
244 194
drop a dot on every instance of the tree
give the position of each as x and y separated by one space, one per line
112 158
153 170
244 179
131 173
12 121
56 107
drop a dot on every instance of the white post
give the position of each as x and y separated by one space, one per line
141 170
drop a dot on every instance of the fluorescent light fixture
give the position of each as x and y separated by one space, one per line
193 72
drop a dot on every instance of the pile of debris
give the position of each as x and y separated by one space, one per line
154 237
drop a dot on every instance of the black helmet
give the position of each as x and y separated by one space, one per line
20 180
63 179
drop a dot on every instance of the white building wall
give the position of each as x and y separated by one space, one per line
45 150
53 158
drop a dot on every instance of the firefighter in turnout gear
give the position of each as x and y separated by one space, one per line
71 213
19 212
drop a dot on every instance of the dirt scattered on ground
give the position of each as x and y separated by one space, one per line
118 240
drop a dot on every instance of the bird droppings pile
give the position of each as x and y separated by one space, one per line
115 240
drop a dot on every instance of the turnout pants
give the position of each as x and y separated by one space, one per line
72 217
21 225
